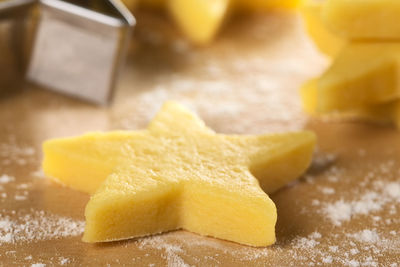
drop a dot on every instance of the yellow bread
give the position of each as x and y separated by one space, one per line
327 42
385 113
363 19
179 174
363 74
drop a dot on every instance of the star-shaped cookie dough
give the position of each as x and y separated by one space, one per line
179 174
200 19
361 82
363 75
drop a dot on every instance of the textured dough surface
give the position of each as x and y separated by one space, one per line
363 19
326 41
385 113
363 74
179 174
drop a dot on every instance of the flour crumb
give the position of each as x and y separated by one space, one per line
354 251
315 202
393 189
23 186
327 259
315 235
6 238
353 263
327 190
371 201
37 225
4 179
369 262
38 265
63 261
366 236
376 218
307 242
333 249
323 160
333 178
20 198
38 174
171 251
338 212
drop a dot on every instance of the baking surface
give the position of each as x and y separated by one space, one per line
343 211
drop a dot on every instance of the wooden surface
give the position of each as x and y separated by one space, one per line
343 212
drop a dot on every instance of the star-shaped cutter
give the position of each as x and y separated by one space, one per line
78 46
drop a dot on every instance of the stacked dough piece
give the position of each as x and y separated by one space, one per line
200 20
363 37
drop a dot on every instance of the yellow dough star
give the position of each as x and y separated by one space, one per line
382 113
362 74
200 20
362 82
366 20
326 41
179 174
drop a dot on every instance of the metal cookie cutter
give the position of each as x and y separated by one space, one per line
79 47
14 45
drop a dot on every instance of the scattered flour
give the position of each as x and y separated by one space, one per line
328 190
333 248
12 152
307 242
220 95
22 186
4 179
354 251
38 174
20 198
393 190
63 261
322 160
338 212
37 226
371 201
327 259
171 251
366 236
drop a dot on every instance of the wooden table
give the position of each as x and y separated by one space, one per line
343 211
